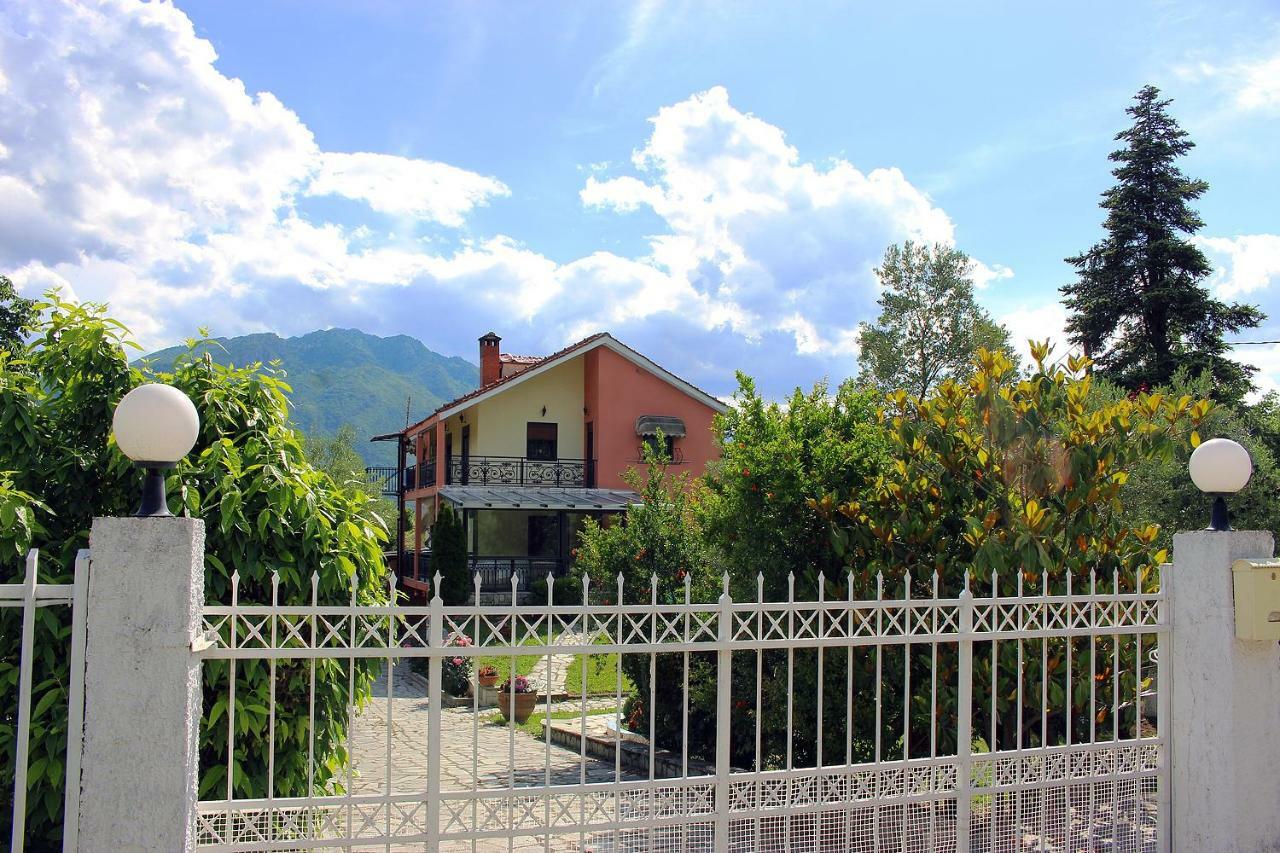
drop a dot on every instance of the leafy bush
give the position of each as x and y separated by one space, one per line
660 552
264 508
1019 482
567 590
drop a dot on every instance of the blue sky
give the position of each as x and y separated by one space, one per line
713 182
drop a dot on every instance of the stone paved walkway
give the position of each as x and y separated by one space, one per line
476 754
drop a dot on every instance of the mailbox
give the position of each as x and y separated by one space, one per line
1257 592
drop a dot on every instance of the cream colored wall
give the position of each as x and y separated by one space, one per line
498 425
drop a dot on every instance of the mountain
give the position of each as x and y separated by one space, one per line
344 376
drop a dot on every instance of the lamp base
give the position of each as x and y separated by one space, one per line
1219 519
155 503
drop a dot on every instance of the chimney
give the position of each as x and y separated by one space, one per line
490 365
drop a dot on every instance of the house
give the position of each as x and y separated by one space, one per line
540 446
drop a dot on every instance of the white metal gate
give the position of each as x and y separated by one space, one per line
30 595
977 721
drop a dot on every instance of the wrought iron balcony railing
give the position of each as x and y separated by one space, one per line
520 471
496 572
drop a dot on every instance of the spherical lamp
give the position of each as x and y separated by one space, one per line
1220 467
155 425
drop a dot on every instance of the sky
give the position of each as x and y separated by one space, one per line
714 183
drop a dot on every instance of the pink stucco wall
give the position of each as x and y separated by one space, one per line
616 393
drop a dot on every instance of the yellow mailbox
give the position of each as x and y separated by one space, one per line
1257 591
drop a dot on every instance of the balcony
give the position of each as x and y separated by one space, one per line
520 471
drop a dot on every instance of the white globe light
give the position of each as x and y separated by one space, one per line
1220 466
156 423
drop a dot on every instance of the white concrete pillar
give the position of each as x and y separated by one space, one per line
142 684
1224 706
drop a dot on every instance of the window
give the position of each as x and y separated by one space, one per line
667 450
540 441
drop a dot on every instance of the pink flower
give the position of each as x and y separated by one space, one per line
457 661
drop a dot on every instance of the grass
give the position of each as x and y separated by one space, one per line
533 725
600 672
523 664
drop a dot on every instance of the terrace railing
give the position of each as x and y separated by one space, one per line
495 573
520 471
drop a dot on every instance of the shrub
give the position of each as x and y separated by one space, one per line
449 556
265 510
1018 482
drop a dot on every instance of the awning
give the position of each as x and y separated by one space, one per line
650 424
531 497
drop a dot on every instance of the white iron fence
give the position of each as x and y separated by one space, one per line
978 721
31 595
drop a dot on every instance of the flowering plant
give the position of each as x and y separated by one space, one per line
455 672
519 684
487 671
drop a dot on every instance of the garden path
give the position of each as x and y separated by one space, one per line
476 753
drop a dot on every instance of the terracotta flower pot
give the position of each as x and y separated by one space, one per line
521 708
488 680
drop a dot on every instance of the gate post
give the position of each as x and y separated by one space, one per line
142 685
1224 726
964 720
724 709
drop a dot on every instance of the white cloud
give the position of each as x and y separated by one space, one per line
405 187
138 174
777 242
1037 323
983 276
1243 264
1252 84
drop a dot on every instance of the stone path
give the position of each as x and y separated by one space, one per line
550 672
476 754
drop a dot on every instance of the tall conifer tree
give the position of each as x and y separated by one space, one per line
1140 307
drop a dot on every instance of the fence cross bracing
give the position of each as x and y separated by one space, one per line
976 721
30 595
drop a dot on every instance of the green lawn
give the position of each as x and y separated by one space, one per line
600 673
524 664
533 725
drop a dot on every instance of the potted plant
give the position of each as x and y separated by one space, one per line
517 699
455 672
487 675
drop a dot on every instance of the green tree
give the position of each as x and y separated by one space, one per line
1159 490
265 508
449 555
1016 484
16 314
930 326
659 552
337 456
1139 305
755 519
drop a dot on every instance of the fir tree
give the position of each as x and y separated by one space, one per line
1139 307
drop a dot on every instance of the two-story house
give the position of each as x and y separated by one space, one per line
541 445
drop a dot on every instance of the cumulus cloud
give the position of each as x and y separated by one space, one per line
774 242
135 172
1037 323
1243 264
1252 83
405 187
